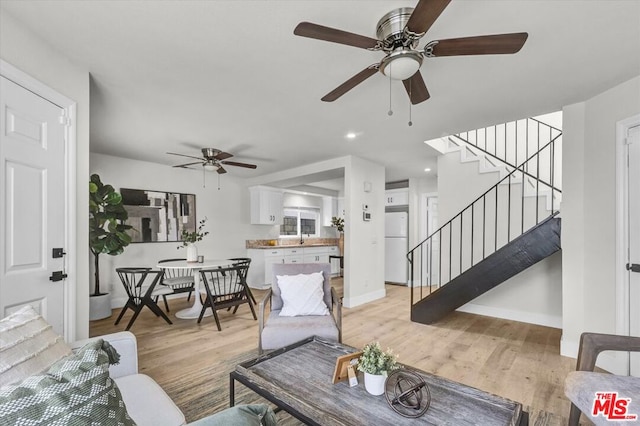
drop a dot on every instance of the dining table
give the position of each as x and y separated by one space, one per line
194 311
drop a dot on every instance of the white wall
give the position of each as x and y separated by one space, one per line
589 211
227 211
533 296
34 56
364 240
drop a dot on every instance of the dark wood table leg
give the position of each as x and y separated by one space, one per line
524 419
232 390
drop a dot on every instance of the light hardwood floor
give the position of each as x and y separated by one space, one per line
515 360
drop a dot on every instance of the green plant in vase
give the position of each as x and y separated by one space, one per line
376 364
338 223
189 238
107 228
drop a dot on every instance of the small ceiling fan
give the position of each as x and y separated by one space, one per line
212 160
399 33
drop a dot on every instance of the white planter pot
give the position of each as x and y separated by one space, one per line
374 383
99 307
192 253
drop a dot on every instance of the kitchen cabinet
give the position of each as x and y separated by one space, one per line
266 205
340 205
329 210
316 255
262 260
396 197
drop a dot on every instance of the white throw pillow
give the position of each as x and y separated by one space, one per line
302 294
28 346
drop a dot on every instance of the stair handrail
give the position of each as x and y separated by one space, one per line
506 160
488 191
508 177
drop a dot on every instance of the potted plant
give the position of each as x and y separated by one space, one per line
376 364
107 234
338 223
190 238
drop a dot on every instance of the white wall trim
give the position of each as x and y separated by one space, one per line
622 226
622 231
352 302
70 107
528 317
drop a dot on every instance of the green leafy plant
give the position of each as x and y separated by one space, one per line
194 236
376 361
107 228
338 222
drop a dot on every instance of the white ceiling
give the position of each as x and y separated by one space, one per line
180 75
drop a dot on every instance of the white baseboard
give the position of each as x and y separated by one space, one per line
528 317
351 302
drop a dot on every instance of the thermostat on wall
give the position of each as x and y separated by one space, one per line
366 216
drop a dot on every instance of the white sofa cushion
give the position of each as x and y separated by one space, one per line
147 403
28 346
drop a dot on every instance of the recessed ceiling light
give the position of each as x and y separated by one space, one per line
427 169
351 135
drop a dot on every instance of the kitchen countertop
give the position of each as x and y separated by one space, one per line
291 243
293 246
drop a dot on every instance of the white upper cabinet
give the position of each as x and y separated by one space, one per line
329 210
266 205
396 197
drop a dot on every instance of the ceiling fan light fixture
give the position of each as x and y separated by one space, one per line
401 64
210 167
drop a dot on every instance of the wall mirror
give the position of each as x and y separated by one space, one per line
158 216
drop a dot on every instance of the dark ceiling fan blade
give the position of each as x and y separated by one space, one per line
351 83
221 170
320 32
416 88
188 164
234 163
223 156
188 156
425 14
498 44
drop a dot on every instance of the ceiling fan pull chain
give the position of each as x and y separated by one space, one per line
204 178
218 181
390 113
410 122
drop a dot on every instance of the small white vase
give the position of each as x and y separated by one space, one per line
192 253
374 383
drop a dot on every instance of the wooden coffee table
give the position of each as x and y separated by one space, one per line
298 379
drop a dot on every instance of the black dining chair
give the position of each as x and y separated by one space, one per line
179 280
141 294
225 288
244 261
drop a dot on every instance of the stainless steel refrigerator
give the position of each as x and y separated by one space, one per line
396 245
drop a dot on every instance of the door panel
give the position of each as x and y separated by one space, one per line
32 192
633 196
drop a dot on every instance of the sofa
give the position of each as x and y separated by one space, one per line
94 381
146 402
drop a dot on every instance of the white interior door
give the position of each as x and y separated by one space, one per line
633 220
33 201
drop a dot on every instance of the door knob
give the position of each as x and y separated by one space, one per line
633 267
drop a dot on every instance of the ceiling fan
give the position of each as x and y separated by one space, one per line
212 160
399 33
